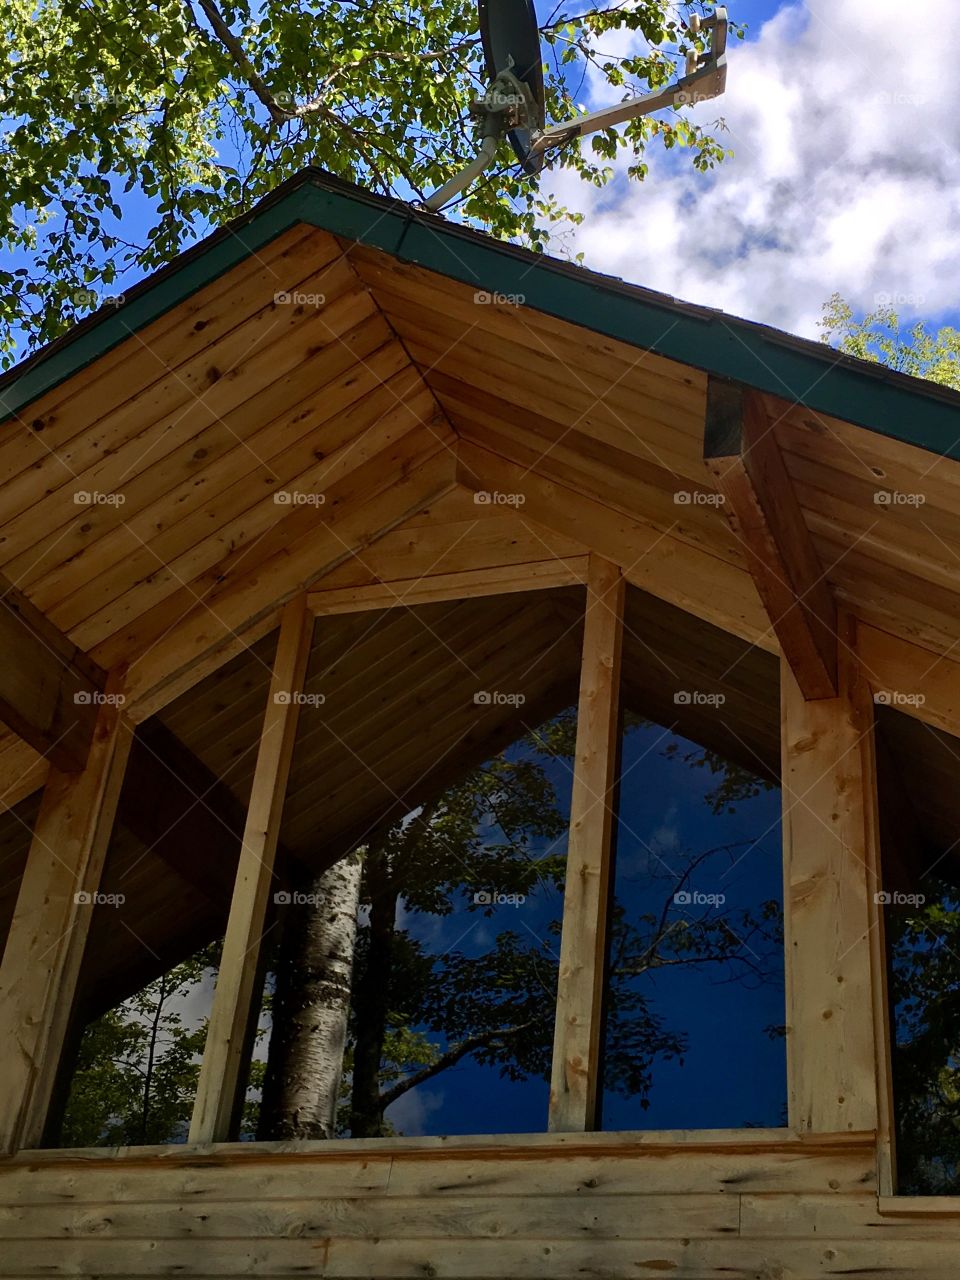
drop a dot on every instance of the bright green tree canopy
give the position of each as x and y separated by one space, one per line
131 128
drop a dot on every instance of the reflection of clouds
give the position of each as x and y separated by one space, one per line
410 1113
195 1004
643 860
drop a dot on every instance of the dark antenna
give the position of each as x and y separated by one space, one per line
514 104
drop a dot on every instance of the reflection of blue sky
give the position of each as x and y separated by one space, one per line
469 1098
733 1074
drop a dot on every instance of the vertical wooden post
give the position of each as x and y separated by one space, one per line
834 958
222 1056
48 933
854 679
576 1050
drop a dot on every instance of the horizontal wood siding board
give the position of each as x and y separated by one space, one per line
339 1258
219 1177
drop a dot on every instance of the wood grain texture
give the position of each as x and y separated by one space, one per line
575 1082
221 1068
44 948
830 878
742 454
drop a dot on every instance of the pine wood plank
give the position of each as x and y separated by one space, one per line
194 475
490 1259
48 688
198 322
575 1083
196 637
463 585
829 882
222 1064
742 455
397 1217
652 559
44 949
893 665
158 564
387 276
210 381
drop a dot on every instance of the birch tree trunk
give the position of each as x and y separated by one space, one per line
311 1007
371 1003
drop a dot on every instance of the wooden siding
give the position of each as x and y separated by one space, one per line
762 1206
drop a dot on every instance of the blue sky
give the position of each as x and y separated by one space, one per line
845 175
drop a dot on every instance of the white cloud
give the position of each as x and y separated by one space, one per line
845 177
411 1112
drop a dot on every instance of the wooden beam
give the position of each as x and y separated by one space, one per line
48 687
466 584
759 502
41 961
575 1081
836 1056
918 682
650 557
222 1056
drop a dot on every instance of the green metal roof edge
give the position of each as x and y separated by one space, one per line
99 333
892 404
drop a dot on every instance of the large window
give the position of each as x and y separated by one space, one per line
920 837
392 831
132 1060
695 992
414 987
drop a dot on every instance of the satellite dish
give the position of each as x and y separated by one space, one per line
514 104
511 43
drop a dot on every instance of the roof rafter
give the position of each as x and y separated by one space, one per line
759 502
49 689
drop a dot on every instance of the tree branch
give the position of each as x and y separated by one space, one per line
244 65
448 1059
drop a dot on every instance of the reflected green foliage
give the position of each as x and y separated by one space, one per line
924 948
138 1064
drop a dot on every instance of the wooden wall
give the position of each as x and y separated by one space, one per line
758 1205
